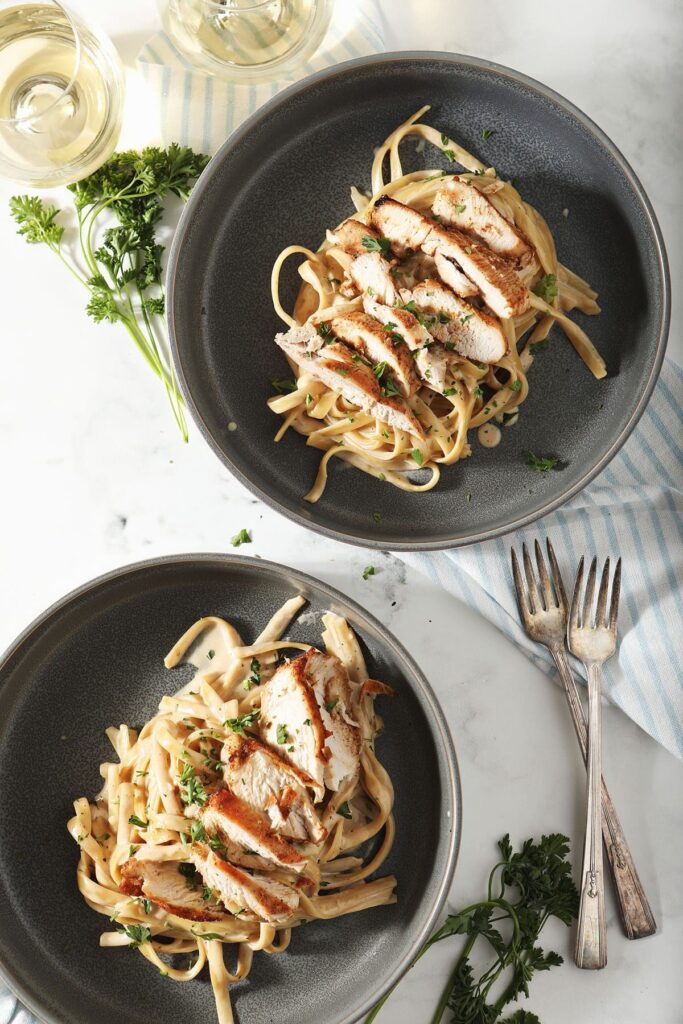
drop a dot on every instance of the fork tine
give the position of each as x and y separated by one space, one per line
574 612
587 619
600 617
519 586
557 577
534 599
546 587
614 606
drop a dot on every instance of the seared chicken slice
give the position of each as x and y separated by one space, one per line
405 228
462 204
306 715
371 275
367 336
350 236
499 283
470 331
337 368
237 824
258 894
164 884
451 275
431 359
266 782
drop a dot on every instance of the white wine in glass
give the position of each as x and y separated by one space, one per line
61 95
247 39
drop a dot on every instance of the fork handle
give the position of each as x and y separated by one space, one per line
636 915
591 934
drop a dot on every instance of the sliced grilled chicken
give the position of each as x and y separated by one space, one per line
470 331
350 236
266 782
462 204
164 885
371 275
499 283
430 359
336 367
268 899
237 824
405 228
363 333
451 275
306 716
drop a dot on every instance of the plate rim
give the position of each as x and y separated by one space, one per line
452 785
368 540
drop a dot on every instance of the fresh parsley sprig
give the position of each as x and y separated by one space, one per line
118 210
525 889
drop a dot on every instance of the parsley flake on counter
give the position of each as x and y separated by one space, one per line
241 538
368 571
486 133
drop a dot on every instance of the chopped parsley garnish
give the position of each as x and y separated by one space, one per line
187 870
146 904
307 721
331 704
389 389
444 318
466 316
255 676
450 155
477 391
444 139
211 655
207 936
197 832
385 433
207 892
409 306
486 133
381 245
325 332
243 722
417 456
282 734
132 850
546 288
377 517
191 789
368 571
459 207
516 385
379 369
283 385
450 391
138 822
344 811
468 250
241 538
217 845
381 476
542 463
137 933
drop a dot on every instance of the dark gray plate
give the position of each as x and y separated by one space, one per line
284 177
96 659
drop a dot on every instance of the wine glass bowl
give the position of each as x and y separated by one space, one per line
61 95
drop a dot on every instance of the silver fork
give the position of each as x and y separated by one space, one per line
544 616
593 639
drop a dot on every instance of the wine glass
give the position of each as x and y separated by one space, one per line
61 94
247 39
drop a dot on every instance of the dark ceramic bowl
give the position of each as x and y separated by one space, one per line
284 177
96 659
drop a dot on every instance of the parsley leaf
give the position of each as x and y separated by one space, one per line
486 133
368 571
137 933
542 463
191 788
283 385
417 456
344 810
138 822
381 245
282 734
243 722
118 256
241 538
546 288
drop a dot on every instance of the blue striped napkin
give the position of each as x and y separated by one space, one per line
201 110
633 508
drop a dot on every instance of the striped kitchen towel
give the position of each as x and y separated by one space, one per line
201 110
633 508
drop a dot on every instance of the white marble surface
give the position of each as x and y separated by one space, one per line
94 476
